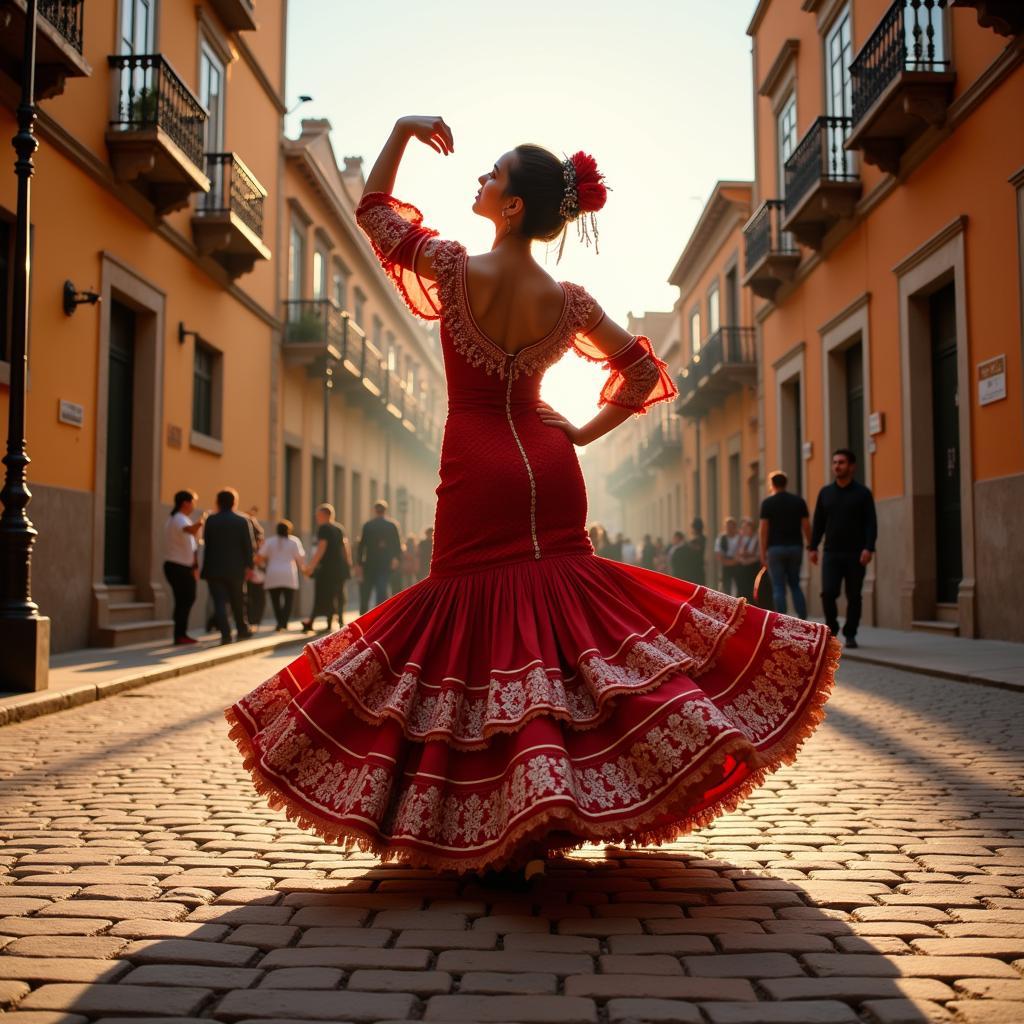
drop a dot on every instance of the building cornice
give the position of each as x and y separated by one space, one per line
786 55
843 314
715 209
759 12
955 227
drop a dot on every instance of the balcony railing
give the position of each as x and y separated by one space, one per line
763 234
908 38
726 361
151 95
66 17
770 254
663 445
315 323
625 477
234 189
820 156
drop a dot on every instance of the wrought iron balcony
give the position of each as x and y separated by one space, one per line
663 446
156 131
58 43
313 330
902 81
626 478
726 362
237 15
1006 17
770 254
228 222
822 186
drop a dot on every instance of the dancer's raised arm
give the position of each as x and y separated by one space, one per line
430 130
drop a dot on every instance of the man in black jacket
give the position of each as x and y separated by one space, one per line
845 516
227 559
377 555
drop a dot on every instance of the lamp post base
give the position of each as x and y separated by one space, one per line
24 655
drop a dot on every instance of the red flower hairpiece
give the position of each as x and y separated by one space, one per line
585 193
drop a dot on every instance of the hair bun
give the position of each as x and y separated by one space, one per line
591 193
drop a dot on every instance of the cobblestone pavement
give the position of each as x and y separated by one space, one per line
880 879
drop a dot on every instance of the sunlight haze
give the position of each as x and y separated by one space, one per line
659 92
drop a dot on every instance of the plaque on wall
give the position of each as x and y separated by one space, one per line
992 380
71 413
173 436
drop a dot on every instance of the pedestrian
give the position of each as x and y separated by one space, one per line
628 552
784 530
408 562
377 555
844 515
647 552
698 541
726 546
255 594
615 547
425 551
748 559
181 563
228 557
598 539
330 568
282 559
677 556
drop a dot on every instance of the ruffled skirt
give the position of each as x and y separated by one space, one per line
544 703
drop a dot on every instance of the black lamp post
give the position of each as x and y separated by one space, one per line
331 358
24 633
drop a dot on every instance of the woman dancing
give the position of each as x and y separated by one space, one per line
528 695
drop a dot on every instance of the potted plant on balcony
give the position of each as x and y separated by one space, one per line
307 326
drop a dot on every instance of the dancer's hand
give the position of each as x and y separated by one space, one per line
430 130
556 419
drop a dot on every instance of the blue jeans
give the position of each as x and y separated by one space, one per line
784 562
375 581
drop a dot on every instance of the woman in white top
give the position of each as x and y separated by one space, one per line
281 557
181 566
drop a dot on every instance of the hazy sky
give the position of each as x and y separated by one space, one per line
658 90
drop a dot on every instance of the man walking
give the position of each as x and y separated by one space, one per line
377 555
845 516
785 529
228 558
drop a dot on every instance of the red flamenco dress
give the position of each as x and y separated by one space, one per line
527 692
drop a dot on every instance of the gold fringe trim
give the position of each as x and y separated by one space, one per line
636 830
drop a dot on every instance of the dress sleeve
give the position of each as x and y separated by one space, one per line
637 378
396 232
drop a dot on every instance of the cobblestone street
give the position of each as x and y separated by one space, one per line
880 879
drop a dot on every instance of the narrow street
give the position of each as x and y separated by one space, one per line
880 879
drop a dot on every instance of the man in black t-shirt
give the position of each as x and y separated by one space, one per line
785 528
845 517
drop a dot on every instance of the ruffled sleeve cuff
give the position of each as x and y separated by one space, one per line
397 235
637 378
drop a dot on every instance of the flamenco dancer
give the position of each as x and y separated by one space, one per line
527 696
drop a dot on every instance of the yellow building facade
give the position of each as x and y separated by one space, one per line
155 188
886 251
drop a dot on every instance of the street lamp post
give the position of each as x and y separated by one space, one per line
24 633
331 357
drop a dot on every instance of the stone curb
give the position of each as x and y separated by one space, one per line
932 670
32 705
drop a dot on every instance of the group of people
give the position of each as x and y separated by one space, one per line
844 519
242 566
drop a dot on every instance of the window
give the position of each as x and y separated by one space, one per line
339 287
211 93
319 274
735 506
296 262
138 22
838 56
359 307
205 386
338 491
357 503
786 137
378 340
853 359
713 309
318 491
695 331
